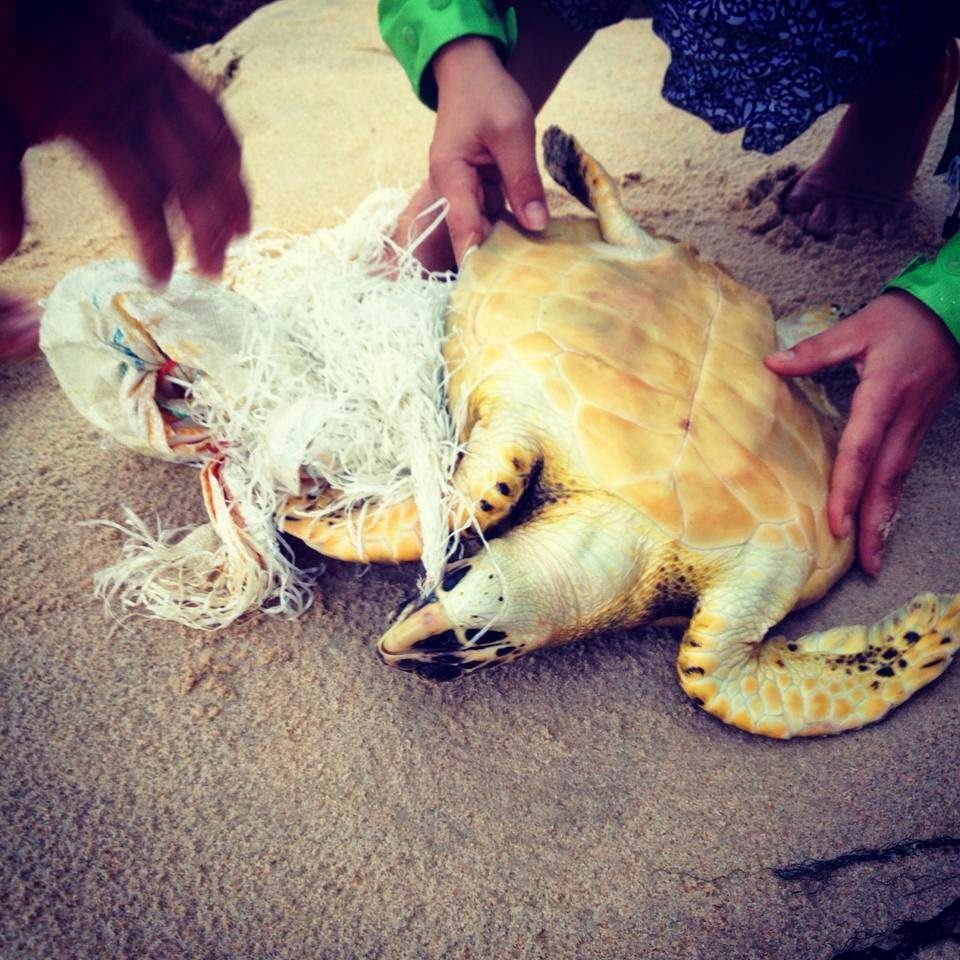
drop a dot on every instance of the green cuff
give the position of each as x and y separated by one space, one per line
935 283
416 29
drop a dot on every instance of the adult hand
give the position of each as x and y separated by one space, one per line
483 144
90 71
19 329
909 365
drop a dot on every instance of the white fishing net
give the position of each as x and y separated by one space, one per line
316 367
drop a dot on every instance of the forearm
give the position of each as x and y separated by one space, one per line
545 49
536 46
935 283
415 30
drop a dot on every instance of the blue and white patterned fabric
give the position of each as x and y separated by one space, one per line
770 68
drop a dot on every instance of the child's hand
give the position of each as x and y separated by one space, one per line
91 71
909 365
483 145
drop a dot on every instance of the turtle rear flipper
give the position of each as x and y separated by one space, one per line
584 178
824 682
378 535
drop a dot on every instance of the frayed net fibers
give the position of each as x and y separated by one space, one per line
339 386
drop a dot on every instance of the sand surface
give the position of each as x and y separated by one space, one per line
272 791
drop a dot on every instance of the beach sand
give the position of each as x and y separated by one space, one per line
272 791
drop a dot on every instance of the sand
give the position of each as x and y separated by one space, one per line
272 791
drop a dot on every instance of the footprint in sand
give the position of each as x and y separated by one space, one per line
763 204
766 202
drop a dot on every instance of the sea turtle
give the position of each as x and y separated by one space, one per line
615 380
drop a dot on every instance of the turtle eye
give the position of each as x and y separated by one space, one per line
454 574
410 605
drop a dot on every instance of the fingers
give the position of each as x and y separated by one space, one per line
11 190
200 158
19 329
881 495
143 189
514 152
842 342
459 182
158 135
220 158
909 366
872 410
433 250
485 121
475 192
179 145
492 187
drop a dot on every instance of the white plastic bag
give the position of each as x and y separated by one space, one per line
312 368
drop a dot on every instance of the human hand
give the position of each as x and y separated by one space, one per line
483 144
909 365
92 72
19 329
433 250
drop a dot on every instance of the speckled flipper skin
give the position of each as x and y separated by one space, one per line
822 683
491 477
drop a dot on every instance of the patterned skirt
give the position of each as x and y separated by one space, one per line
768 68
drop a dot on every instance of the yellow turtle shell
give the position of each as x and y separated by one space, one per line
677 477
651 386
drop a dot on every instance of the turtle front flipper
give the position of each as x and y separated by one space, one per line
823 683
493 473
500 457
794 328
561 575
388 534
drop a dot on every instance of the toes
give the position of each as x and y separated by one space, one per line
794 198
848 220
855 219
825 210
822 222
772 184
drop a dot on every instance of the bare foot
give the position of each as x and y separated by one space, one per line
863 178
436 251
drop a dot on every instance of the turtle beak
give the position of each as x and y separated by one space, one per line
435 644
423 641
421 626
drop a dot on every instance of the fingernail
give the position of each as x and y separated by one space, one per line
535 214
782 356
846 526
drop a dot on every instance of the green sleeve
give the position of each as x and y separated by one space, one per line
416 29
935 283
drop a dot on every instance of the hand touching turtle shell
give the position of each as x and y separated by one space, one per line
908 362
909 365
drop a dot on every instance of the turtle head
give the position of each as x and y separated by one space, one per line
456 629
